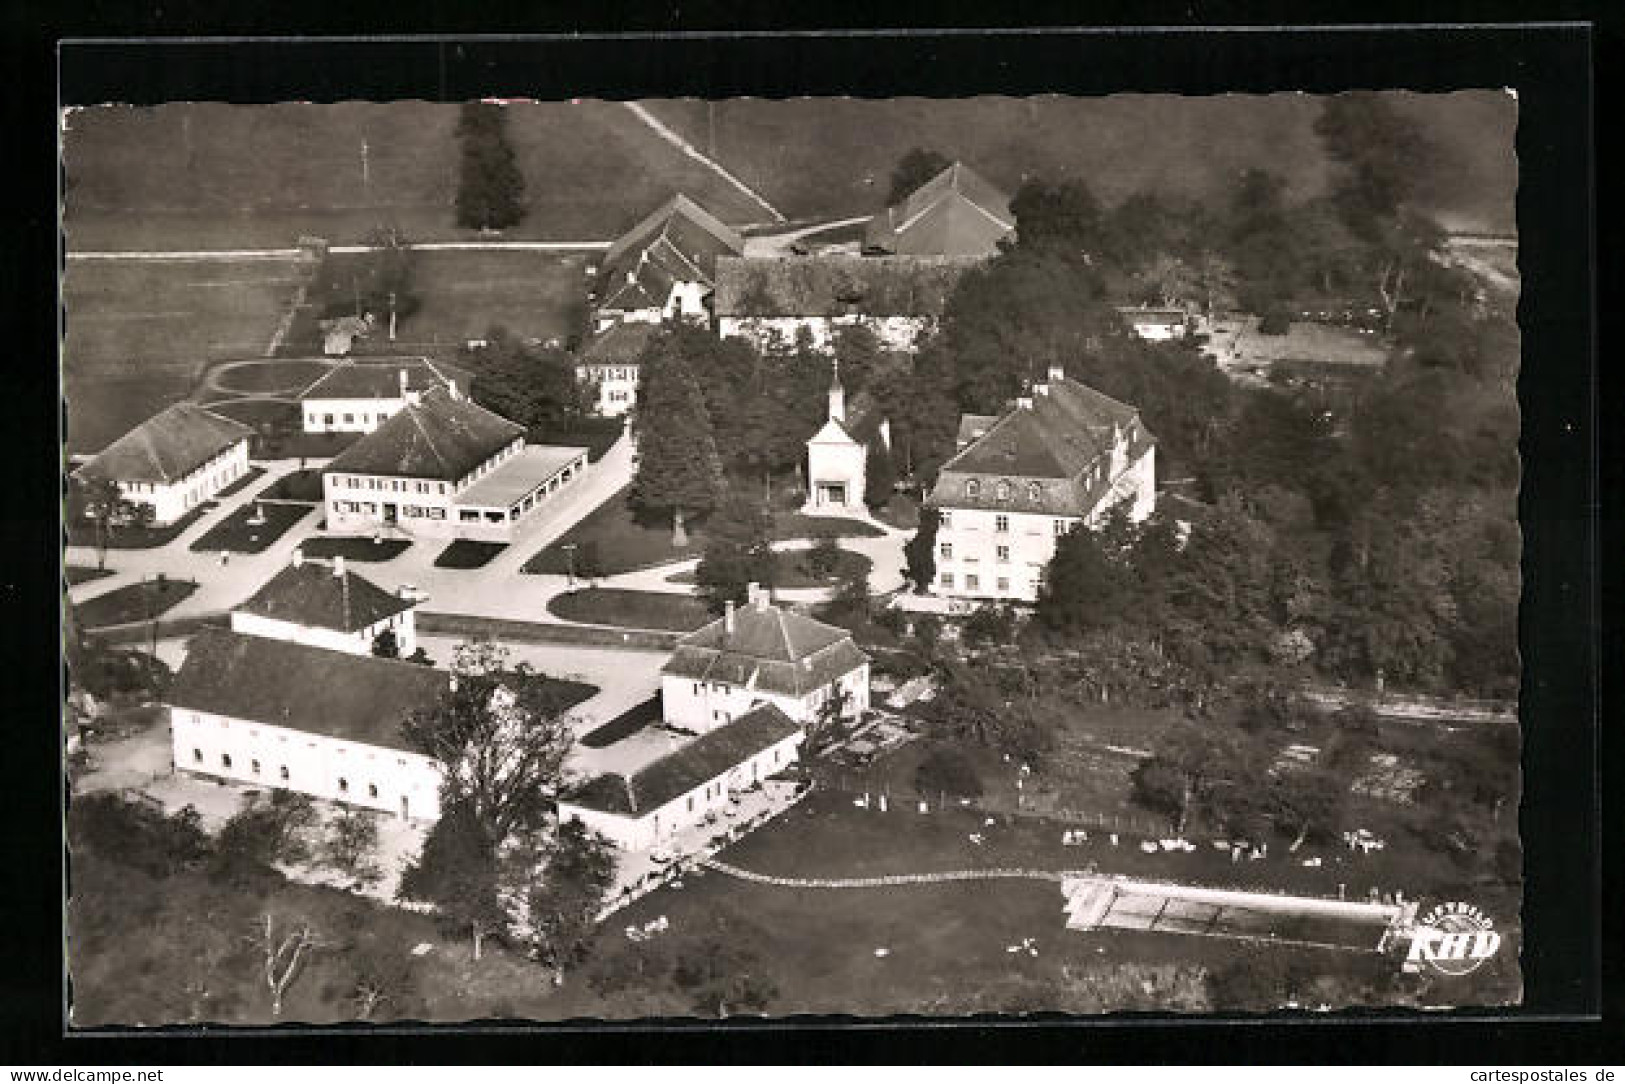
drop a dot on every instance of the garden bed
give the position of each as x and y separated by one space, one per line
82 532
77 574
354 549
631 721
142 601
235 534
791 572
631 609
467 553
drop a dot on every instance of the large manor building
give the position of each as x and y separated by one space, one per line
1062 455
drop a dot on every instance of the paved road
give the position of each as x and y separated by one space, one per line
294 253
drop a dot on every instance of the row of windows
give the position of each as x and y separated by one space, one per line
1003 490
387 485
282 772
600 372
973 582
349 419
946 551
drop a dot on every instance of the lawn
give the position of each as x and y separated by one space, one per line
354 549
285 377
465 553
82 532
624 544
626 724
631 609
235 534
140 335
534 295
301 486
76 574
134 602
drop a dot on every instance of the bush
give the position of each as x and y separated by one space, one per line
137 835
1275 322
946 770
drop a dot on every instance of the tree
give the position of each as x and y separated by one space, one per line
285 952
738 553
384 973
136 836
265 832
725 972
1381 152
823 556
1190 769
879 474
1085 587
490 189
563 906
678 469
386 645
457 872
989 626
103 501
1065 215
920 551
501 735
1307 801
534 386
912 170
352 845
828 726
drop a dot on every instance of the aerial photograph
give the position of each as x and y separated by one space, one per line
690 559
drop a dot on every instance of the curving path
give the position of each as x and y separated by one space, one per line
893 879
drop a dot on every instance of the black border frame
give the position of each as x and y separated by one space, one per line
1550 65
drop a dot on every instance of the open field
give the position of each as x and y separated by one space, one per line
210 175
825 157
139 335
133 602
534 295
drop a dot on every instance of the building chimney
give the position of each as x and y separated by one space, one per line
451 389
632 277
403 383
728 617
1041 389
298 557
1024 402
1056 373
338 566
885 433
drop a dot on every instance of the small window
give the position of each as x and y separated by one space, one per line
344 785
1035 491
372 790
254 766
946 579
225 760
1004 586
1004 553
946 549
1004 491
197 756
283 771
972 583
1060 527
349 419
973 488
1001 524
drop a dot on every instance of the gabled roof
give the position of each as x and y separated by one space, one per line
357 698
438 437
838 285
770 649
1062 442
955 213
679 242
380 378
166 447
707 757
833 432
621 343
313 595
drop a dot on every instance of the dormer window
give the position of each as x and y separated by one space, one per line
973 488
1004 491
1035 492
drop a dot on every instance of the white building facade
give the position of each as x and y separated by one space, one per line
358 397
836 463
1063 456
174 462
327 606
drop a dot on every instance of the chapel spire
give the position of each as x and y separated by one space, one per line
837 396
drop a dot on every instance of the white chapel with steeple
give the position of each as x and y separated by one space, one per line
835 462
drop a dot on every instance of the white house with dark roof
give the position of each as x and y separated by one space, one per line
955 213
610 362
174 461
326 605
1062 455
276 713
445 467
761 654
1156 324
771 300
664 267
356 396
638 811
837 457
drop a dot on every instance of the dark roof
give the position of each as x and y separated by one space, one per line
380 378
311 594
166 447
770 649
1062 442
621 343
838 285
438 437
955 213
280 683
679 242
705 758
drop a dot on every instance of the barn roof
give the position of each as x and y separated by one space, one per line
356 698
678 242
699 762
838 285
166 447
955 213
380 378
439 437
621 343
317 595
